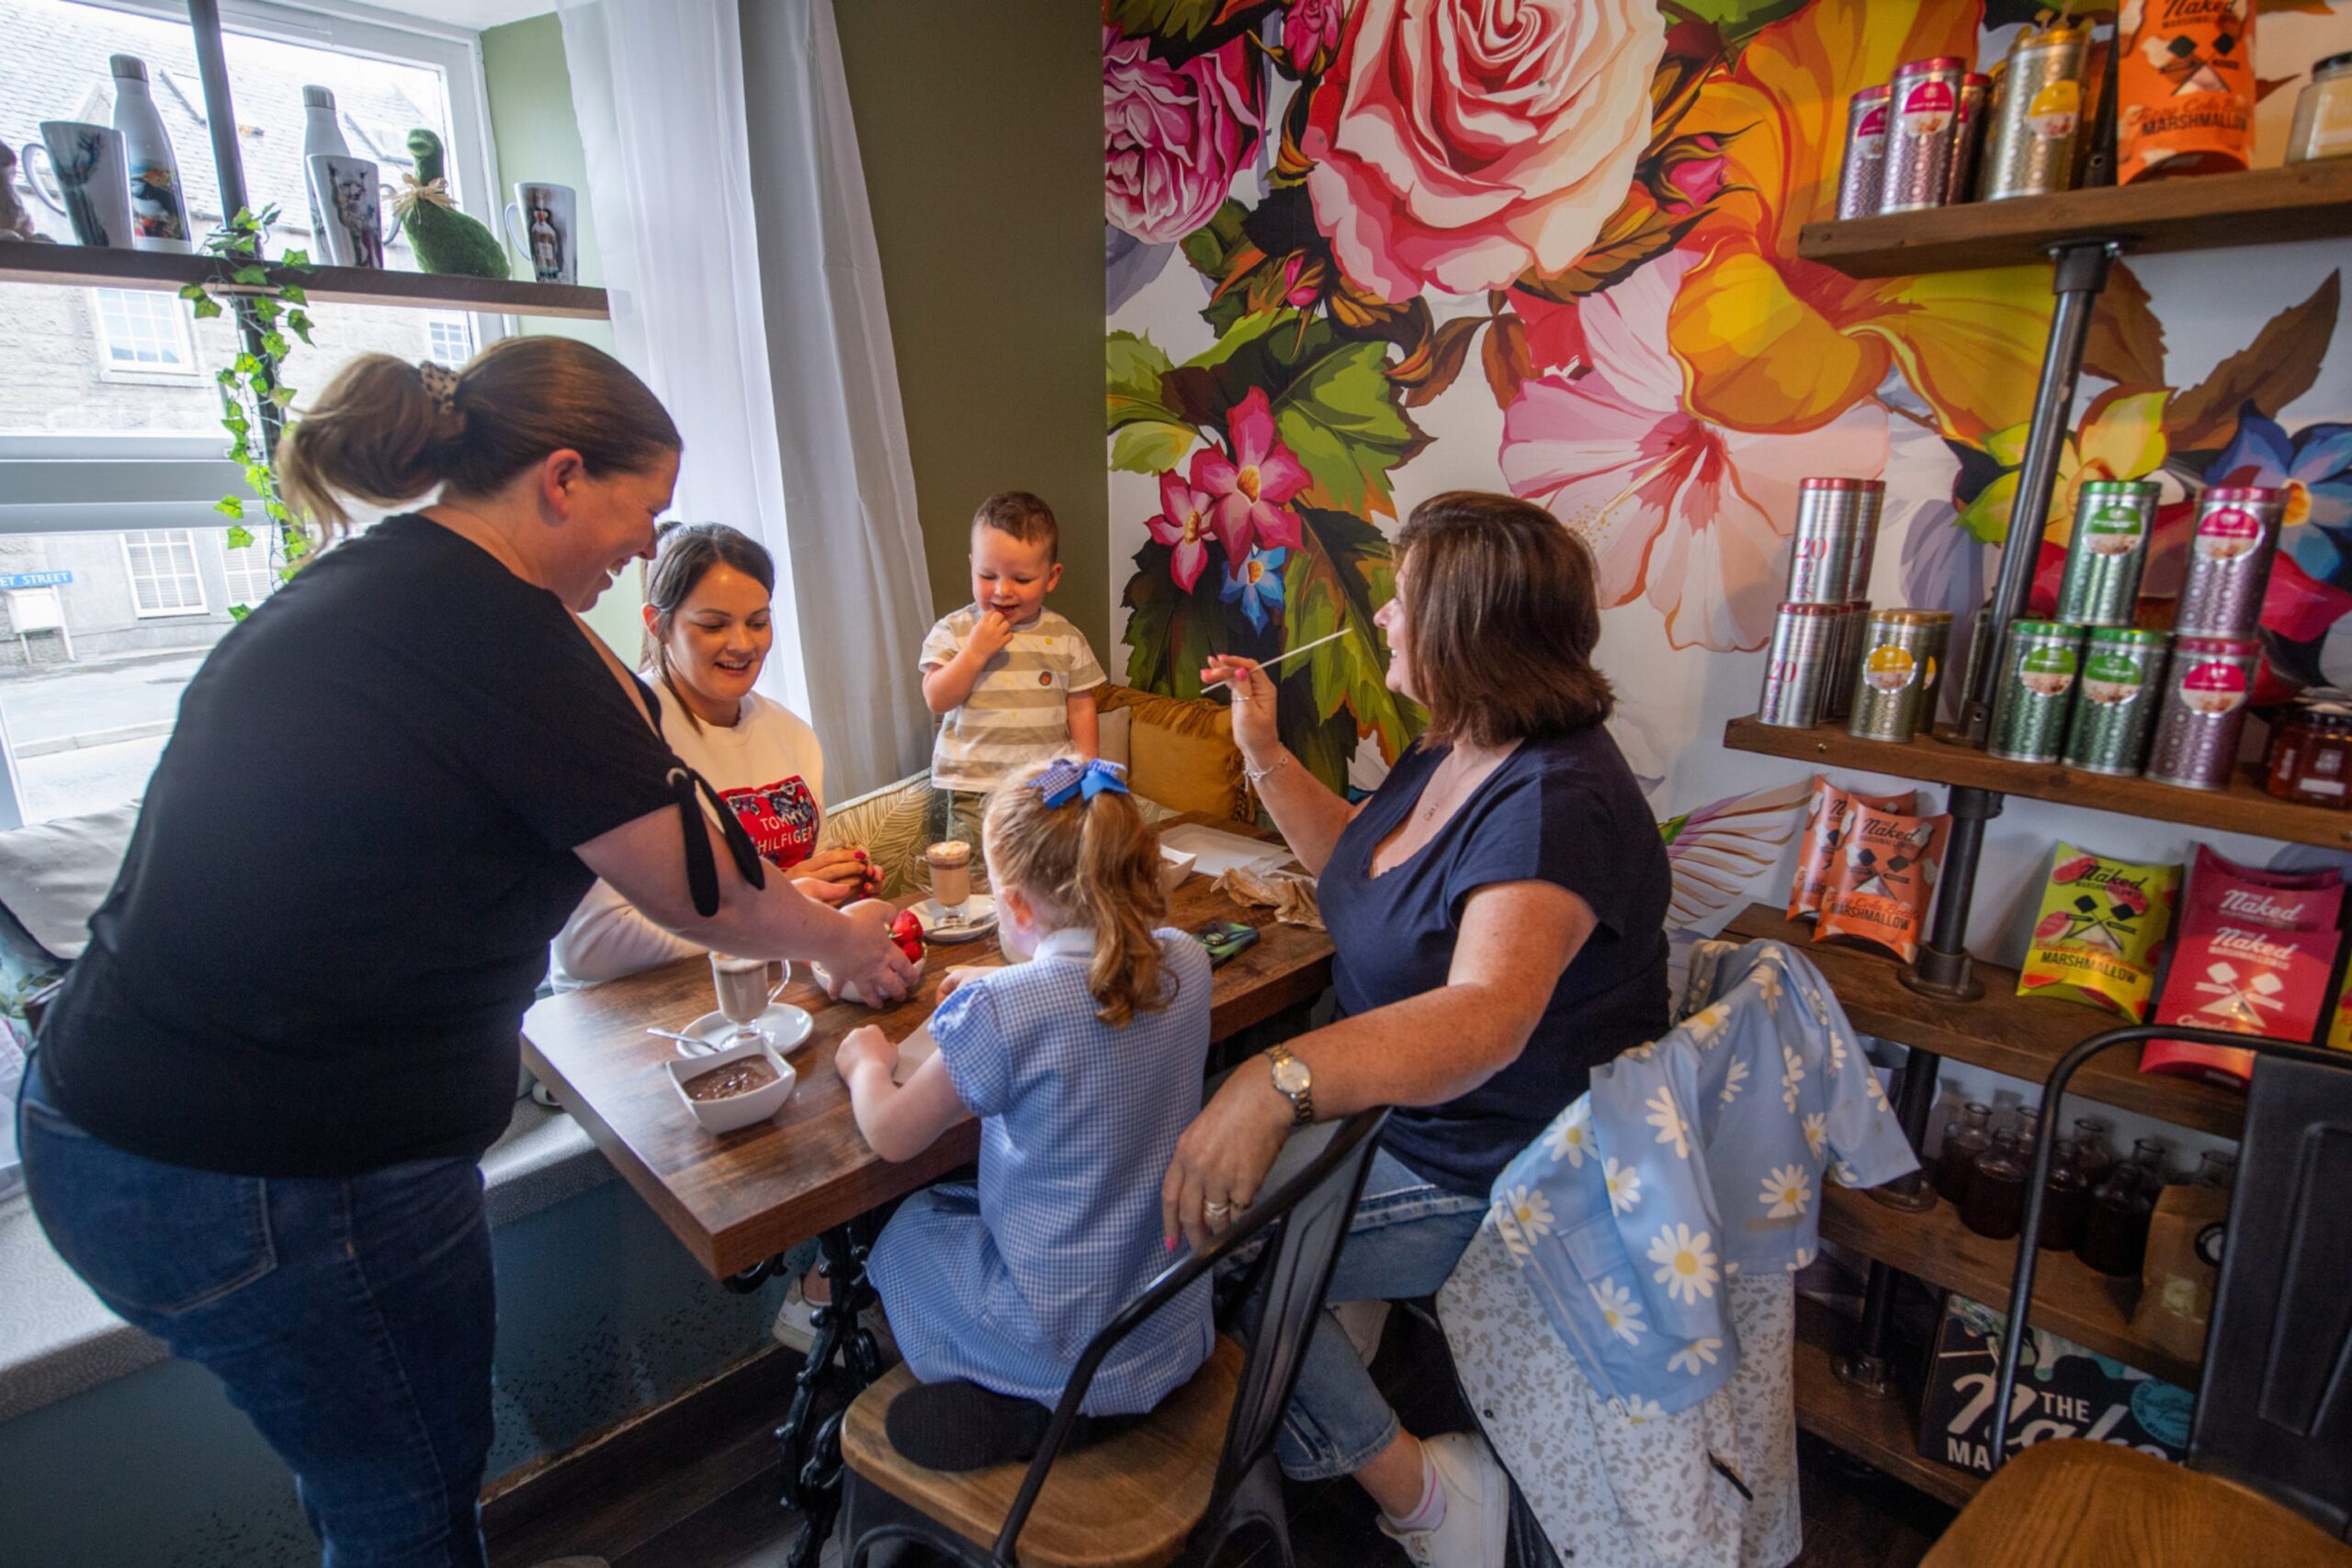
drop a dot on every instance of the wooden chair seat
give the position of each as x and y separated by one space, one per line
2068 1503
1127 1503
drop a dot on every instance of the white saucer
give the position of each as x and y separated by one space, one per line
785 1027
979 919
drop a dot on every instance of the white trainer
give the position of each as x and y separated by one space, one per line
792 1328
1477 1525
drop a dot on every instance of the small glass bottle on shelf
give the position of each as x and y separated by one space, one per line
2093 1153
2115 1231
1966 1137
1996 1200
2065 1198
2216 1167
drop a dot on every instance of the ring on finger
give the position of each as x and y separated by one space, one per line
1216 1210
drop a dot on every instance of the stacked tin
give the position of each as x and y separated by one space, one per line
2030 142
2040 660
1898 678
2108 551
2229 560
1817 637
1865 167
2116 710
2196 742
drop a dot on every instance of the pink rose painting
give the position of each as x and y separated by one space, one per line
1460 143
1173 136
1692 513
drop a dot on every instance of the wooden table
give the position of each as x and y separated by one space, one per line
738 1199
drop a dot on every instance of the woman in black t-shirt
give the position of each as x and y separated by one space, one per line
1498 907
253 1121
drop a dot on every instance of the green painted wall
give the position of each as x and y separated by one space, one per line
537 138
980 128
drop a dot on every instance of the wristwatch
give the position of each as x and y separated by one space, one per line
1295 1081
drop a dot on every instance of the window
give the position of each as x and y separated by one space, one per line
110 443
142 331
247 569
163 580
449 340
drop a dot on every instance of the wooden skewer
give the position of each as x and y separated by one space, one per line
1279 659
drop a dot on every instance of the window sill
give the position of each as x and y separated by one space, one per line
57 1339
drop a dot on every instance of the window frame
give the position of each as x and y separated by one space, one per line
189 373
172 538
230 571
93 482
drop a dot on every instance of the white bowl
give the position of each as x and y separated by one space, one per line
1175 865
737 1110
849 993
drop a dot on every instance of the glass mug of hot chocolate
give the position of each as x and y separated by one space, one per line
951 876
744 993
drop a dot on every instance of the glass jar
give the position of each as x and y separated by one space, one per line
2310 760
2216 1167
2065 1198
2093 1153
2324 113
2115 1231
1966 1137
1996 1200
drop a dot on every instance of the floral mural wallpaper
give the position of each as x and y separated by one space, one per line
1363 251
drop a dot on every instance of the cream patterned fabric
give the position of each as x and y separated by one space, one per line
889 822
1634 1490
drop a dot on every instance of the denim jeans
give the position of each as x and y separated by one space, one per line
352 1320
1404 1241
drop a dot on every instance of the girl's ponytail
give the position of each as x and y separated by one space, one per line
1096 861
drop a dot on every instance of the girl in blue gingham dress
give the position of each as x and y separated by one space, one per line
1084 1064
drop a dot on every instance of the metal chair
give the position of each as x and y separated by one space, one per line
2268 1477
1167 1490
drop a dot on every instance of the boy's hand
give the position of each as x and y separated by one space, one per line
866 1044
990 635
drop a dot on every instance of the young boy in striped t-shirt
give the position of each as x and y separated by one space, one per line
1014 681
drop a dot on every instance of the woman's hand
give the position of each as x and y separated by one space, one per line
835 877
861 1046
1223 1157
1254 729
868 958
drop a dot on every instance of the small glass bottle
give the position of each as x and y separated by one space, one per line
2115 1232
2323 123
1995 1199
1966 1137
2216 1167
2093 1155
2065 1198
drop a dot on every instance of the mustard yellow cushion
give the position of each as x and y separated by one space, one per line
1181 753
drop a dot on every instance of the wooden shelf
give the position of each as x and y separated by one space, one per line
2020 1036
2262 206
1880 1432
87 266
2070 1297
2242 807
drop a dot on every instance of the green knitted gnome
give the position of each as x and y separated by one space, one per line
447 241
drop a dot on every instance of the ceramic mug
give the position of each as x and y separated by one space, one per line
85 161
349 195
539 224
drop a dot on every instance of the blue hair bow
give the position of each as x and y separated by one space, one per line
1066 780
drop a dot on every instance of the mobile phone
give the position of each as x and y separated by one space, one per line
1223 939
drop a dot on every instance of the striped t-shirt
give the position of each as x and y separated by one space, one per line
1017 715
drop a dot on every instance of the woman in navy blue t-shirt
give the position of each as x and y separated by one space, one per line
1498 907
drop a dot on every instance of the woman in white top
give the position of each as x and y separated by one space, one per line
707 633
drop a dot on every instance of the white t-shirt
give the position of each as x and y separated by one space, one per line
1018 712
768 768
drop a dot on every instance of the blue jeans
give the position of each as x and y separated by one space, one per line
352 1320
1404 1241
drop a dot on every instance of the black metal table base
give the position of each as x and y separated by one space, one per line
842 1362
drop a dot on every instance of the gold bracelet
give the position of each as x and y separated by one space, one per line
1259 776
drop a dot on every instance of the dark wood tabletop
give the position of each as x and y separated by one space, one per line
736 1199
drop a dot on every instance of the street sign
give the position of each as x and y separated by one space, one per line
35 578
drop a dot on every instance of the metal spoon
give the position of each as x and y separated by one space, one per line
701 1047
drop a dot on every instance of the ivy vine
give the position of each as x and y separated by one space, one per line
253 398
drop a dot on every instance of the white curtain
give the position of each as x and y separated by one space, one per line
747 289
